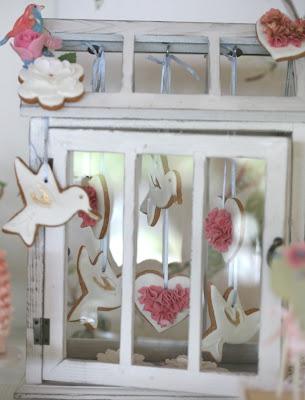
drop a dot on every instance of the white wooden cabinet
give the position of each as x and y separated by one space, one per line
201 127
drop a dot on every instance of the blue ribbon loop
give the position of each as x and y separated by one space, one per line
98 69
166 70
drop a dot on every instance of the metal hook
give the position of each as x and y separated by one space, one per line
277 242
167 49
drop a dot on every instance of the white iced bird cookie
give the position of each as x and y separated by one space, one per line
51 82
101 290
235 207
45 203
229 323
164 190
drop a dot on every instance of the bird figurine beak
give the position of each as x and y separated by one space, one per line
93 215
41 7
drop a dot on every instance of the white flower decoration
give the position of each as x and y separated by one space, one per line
50 82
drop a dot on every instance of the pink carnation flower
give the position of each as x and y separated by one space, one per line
87 220
164 304
295 255
218 229
281 31
29 45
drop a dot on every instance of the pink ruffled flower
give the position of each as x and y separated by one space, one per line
88 221
281 31
5 301
29 45
164 304
218 229
295 255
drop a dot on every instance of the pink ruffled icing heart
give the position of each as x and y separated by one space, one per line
164 304
281 31
219 230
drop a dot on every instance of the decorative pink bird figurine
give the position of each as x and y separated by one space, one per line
31 19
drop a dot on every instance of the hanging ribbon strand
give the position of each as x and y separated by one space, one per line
98 68
233 265
165 88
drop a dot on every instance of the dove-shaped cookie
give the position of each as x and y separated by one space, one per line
101 290
45 203
164 189
229 323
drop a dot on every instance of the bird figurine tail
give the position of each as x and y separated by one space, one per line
23 226
4 40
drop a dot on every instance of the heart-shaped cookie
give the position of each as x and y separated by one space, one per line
236 209
282 37
162 308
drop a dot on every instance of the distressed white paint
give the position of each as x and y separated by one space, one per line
132 123
56 368
198 268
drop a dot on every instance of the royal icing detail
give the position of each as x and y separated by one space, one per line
45 203
101 200
50 82
164 189
162 308
101 290
229 323
282 37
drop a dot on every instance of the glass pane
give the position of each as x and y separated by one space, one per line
163 249
256 76
95 254
233 230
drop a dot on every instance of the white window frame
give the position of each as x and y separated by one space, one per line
276 152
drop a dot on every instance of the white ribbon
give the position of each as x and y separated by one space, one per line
166 76
98 69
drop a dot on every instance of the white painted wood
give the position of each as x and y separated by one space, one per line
244 128
194 107
153 36
131 143
274 226
92 29
214 65
53 392
129 256
298 187
128 64
197 266
36 266
300 77
145 143
56 272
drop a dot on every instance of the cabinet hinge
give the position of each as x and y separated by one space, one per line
41 330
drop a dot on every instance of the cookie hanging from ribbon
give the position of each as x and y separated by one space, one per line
164 189
282 37
45 202
163 307
98 192
101 289
224 226
229 322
